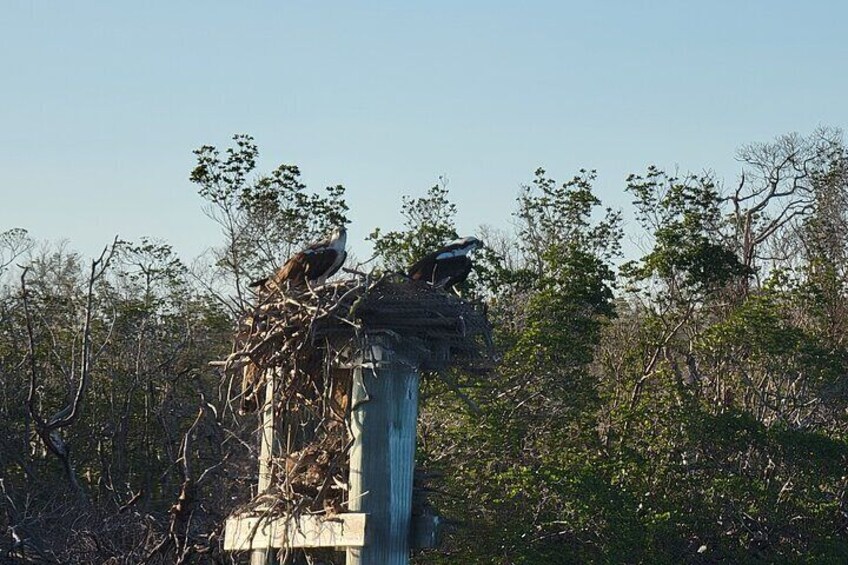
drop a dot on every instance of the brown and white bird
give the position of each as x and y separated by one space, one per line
448 265
313 265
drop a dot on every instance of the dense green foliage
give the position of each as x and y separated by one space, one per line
687 405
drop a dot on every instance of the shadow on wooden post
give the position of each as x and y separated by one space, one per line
383 417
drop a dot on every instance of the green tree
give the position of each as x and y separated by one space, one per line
264 218
692 253
429 223
520 469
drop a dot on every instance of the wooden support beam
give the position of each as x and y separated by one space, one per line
267 444
384 414
264 534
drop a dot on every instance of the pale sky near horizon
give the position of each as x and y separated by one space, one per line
103 102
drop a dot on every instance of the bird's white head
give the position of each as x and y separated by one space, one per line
469 243
338 237
462 246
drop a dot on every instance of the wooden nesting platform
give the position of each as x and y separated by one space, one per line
383 334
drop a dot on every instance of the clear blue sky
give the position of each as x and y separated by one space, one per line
103 102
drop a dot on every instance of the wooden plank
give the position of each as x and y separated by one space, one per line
267 443
266 457
343 530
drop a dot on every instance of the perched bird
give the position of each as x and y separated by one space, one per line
313 265
447 266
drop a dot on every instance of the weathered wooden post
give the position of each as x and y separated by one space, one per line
384 413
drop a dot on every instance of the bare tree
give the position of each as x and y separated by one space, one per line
13 243
778 187
49 429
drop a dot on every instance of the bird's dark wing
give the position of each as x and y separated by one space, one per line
451 271
338 265
423 269
292 272
320 261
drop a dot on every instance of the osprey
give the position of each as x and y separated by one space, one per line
312 266
447 266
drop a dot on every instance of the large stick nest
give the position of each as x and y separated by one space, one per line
350 308
307 340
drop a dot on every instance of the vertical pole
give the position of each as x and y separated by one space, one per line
384 413
266 454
